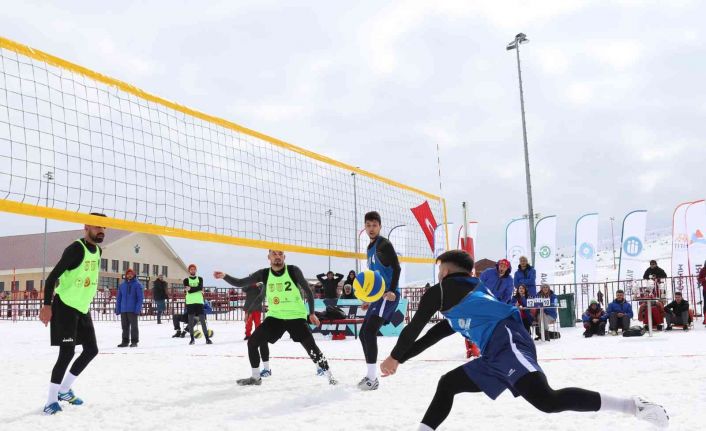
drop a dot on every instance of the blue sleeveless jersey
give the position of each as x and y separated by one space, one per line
477 315
375 265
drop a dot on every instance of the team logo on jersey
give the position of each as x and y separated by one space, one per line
275 300
464 324
87 282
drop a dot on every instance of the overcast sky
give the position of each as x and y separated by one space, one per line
614 95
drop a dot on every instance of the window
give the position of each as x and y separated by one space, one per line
136 268
115 265
107 282
29 285
126 265
2 286
146 269
104 265
165 271
155 270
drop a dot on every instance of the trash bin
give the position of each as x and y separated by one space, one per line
567 312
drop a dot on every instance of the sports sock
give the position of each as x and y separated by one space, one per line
423 427
53 393
265 365
256 373
624 405
67 382
372 371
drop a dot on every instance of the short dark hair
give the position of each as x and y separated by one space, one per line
653 261
677 293
329 272
373 216
458 258
619 291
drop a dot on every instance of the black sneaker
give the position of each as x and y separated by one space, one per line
123 344
191 342
669 328
133 344
686 328
208 341
177 334
183 334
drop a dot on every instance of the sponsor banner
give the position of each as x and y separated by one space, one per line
632 251
585 249
680 243
696 229
517 241
545 250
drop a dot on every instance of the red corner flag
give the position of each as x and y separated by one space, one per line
426 220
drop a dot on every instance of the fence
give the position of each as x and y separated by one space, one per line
228 303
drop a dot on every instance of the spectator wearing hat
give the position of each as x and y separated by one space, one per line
619 313
347 292
128 306
498 281
160 296
329 283
677 312
594 319
527 276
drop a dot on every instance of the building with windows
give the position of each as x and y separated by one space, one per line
148 255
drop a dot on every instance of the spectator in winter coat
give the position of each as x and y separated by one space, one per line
347 292
677 312
594 319
498 281
129 305
654 272
619 313
520 300
657 309
550 314
350 278
160 296
702 282
526 275
329 283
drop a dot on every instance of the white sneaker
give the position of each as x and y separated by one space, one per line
651 412
368 385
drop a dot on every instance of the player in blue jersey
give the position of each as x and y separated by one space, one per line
383 259
508 358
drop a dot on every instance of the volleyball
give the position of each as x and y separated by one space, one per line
368 286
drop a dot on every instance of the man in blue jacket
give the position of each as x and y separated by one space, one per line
619 313
498 281
128 306
526 275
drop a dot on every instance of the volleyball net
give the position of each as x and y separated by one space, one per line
74 141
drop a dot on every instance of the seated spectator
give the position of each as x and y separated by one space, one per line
657 309
520 300
619 313
498 281
330 284
550 314
347 292
350 278
677 312
594 320
526 275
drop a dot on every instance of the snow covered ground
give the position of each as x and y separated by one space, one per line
167 384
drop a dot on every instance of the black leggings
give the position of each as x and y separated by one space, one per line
369 338
257 348
66 353
533 387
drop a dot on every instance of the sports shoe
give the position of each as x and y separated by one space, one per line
183 334
332 380
320 371
250 381
613 333
208 341
133 344
192 342
686 328
177 334
52 408
368 385
669 328
266 373
123 344
651 412
70 398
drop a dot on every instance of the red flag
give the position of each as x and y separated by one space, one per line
467 246
426 220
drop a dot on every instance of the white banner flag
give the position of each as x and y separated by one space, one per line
398 238
585 248
363 242
696 228
632 246
680 242
517 241
545 249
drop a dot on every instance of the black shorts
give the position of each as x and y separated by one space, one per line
70 327
195 309
274 328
